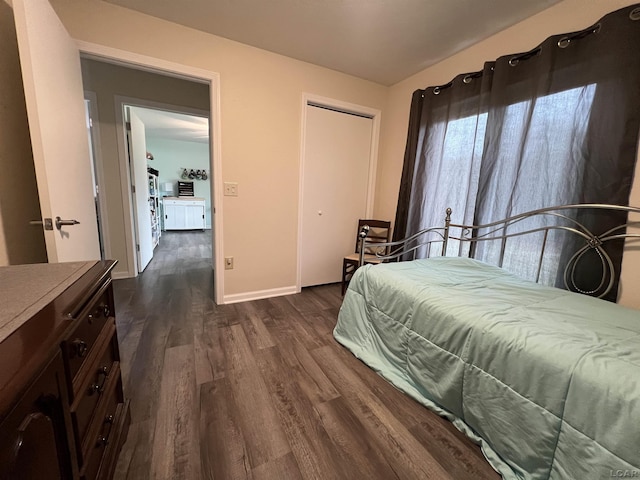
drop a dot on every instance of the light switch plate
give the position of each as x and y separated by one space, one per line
230 189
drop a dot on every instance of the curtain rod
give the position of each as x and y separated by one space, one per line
467 78
563 42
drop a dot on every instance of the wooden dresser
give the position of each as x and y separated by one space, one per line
62 409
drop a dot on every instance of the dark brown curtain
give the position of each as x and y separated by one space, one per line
556 125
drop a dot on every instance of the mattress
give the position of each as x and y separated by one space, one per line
545 380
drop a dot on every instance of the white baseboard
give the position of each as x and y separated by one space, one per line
120 275
257 295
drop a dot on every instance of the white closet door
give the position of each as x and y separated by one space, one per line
335 185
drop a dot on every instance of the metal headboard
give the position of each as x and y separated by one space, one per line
558 218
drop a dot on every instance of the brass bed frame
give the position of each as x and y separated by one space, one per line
563 217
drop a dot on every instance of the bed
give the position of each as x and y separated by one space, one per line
546 380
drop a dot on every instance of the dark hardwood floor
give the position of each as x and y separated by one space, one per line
261 390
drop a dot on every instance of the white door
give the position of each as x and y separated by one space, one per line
140 184
336 177
55 106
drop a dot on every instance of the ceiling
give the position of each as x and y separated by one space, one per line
383 41
173 126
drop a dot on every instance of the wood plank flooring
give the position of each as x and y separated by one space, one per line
261 390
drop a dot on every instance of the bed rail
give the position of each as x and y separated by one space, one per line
544 221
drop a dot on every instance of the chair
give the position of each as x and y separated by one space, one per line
379 232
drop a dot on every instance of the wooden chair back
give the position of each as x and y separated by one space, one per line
379 232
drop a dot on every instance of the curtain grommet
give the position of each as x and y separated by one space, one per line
635 14
467 79
514 61
564 42
436 90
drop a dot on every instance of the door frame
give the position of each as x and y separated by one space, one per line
164 67
96 152
309 99
120 102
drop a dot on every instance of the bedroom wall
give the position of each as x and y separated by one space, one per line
567 16
19 203
629 292
261 108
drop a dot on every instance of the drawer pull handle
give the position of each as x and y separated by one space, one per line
108 419
103 370
103 441
79 347
106 311
95 388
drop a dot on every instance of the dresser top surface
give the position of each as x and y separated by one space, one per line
27 289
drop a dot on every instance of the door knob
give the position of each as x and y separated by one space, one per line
60 222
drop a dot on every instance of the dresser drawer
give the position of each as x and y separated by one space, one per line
117 437
101 465
93 387
101 433
91 320
97 434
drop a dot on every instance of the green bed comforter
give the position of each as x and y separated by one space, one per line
547 381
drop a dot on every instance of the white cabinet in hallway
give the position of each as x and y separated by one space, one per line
184 213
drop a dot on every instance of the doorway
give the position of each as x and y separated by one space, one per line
178 94
168 147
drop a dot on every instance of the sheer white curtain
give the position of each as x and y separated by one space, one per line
548 134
